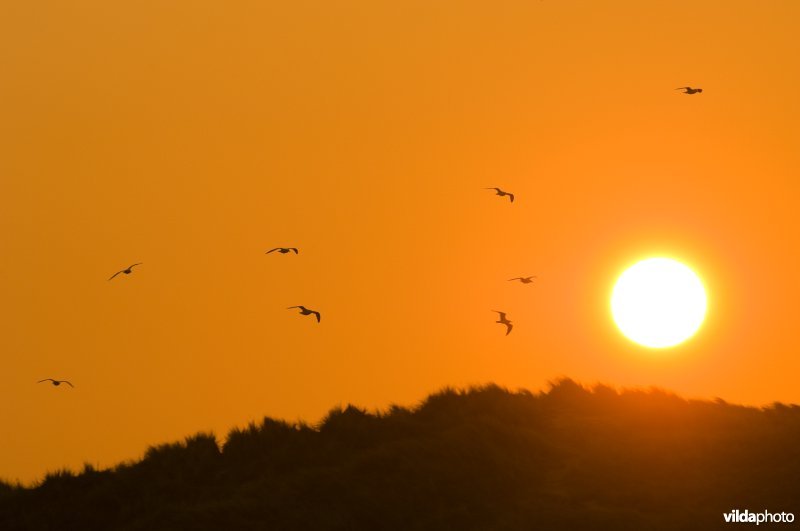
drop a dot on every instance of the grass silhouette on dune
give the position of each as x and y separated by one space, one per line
484 458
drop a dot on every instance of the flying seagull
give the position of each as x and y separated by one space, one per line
306 311
283 250
504 321
524 280
56 382
502 193
127 270
689 90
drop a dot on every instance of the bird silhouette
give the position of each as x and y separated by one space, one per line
306 311
504 321
127 270
524 280
501 193
56 382
283 250
689 90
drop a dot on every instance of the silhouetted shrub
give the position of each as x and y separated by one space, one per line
9 489
482 458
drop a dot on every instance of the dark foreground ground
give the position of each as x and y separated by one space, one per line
484 459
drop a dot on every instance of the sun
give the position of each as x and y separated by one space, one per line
658 302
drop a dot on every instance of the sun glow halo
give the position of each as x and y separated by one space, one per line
658 303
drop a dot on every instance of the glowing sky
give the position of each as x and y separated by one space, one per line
194 135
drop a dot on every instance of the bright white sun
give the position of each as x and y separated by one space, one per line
658 302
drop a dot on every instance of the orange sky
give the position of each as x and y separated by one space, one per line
194 135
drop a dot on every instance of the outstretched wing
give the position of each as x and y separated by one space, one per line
511 196
68 383
45 380
502 314
290 307
272 250
517 278
293 249
683 88
319 317
134 265
115 274
509 326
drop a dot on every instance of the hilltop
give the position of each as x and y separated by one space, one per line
483 458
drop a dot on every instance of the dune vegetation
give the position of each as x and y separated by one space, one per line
485 459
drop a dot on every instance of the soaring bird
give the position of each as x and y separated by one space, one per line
306 311
502 193
689 90
524 280
504 321
127 270
283 250
56 382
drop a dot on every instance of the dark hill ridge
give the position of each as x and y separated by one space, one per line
482 459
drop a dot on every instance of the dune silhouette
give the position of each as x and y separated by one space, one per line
485 458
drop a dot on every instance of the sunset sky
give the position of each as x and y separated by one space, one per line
195 135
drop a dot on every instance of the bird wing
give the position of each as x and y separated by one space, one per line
509 326
319 317
684 88
45 380
511 196
68 383
290 307
517 278
115 274
502 314
134 265
293 249
271 250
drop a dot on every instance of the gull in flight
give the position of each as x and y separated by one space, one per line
127 270
56 382
524 280
282 250
689 90
501 193
306 311
504 321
